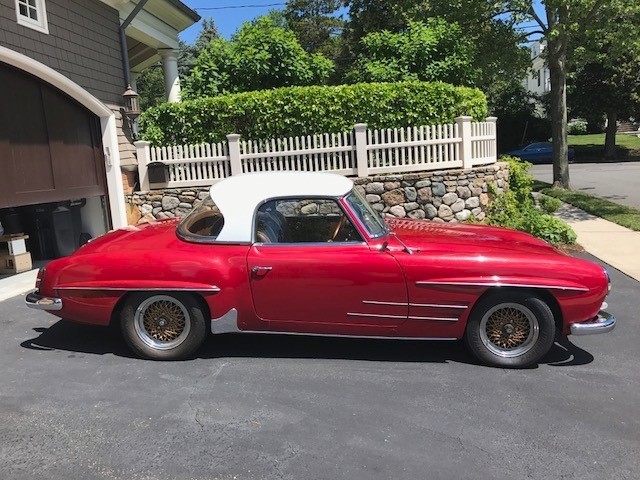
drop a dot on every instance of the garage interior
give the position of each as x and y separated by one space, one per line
52 175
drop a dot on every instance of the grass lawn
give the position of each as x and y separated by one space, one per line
614 212
590 148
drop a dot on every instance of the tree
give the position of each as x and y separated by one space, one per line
500 59
150 83
262 54
208 32
565 24
429 52
150 87
605 78
316 25
599 89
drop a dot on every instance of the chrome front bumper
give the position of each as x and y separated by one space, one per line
603 323
37 301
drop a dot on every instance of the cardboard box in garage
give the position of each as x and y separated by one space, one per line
15 263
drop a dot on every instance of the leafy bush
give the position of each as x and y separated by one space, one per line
516 209
549 204
577 128
436 50
292 111
261 55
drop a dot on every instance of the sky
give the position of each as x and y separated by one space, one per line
230 14
228 19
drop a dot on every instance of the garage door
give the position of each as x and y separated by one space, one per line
50 147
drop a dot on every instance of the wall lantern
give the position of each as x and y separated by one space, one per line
131 109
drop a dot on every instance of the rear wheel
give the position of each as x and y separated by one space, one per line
510 329
163 326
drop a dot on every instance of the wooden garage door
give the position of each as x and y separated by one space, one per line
50 147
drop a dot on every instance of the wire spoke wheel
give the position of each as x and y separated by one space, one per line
162 322
509 329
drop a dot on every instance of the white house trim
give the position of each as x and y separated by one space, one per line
41 24
91 103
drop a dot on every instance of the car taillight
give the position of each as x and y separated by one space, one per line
40 277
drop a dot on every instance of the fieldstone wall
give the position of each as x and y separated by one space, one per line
441 196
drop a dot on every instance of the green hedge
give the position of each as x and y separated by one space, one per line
293 111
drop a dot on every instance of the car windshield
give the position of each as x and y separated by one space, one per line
203 224
367 215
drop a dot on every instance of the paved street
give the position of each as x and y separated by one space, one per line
617 182
75 405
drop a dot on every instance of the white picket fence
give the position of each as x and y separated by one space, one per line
361 152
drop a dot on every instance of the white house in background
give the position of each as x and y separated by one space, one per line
537 80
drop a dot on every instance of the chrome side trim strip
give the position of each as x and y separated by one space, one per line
212 289
435 319
436 305
338 335
403 304
499 284
227 323
377 302
377 315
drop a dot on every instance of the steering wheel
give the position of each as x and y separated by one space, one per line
339 226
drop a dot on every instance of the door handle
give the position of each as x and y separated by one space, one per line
261 270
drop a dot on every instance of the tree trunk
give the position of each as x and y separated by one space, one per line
610 138
557 57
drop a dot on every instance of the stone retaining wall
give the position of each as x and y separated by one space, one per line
441 196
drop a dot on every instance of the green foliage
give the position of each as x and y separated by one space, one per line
316 25
500 58
577 128
293 111
549 204
150 87
516 208
433 51
262 54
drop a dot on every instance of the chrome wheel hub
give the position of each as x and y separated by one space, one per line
509 330
162 322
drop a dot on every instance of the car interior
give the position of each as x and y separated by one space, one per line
303 221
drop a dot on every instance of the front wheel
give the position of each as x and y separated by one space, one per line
510 329
163 326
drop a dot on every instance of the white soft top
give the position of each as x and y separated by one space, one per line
239 196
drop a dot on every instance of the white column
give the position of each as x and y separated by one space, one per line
464 130
171 78
144 157
234 153
362 155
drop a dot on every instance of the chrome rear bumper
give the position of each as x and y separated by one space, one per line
603 323
37 301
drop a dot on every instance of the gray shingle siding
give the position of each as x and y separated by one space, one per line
83 44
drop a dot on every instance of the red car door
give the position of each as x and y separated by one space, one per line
327 288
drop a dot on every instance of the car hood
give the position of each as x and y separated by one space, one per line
423 235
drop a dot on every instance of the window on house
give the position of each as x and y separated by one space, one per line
539 75
32 14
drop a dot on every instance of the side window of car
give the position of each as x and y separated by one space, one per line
303 221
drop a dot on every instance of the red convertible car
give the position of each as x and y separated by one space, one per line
304 254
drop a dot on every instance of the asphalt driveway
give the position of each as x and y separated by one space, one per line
617 182
75 405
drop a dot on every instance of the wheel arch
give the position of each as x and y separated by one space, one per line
122 301
542 293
